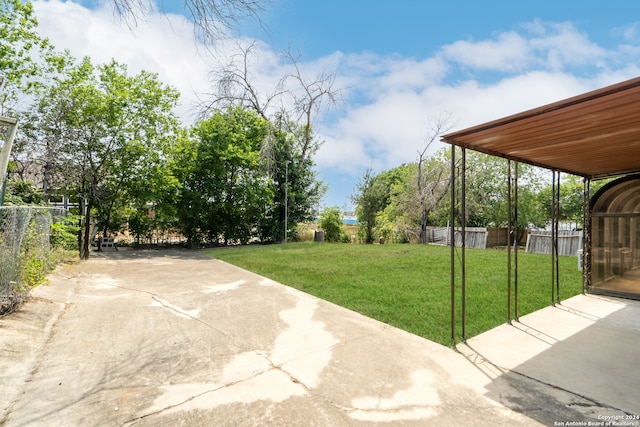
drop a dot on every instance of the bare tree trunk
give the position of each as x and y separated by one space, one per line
435 187
423 203
86 244
80 232
84 236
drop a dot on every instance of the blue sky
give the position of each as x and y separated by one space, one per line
399 64
418 28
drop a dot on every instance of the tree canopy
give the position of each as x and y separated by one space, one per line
245 172
225 187
25 56
110 141
390 203
99 135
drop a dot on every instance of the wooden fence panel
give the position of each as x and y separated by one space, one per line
476 237
539 242
496 237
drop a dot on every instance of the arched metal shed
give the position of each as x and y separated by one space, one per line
615 238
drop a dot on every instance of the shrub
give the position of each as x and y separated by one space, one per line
26 254
332 225
64 232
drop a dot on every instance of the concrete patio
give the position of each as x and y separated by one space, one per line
176 338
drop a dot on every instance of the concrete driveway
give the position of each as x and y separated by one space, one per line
178 339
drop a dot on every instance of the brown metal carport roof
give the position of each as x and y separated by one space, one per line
595 135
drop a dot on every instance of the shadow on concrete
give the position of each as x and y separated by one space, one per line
575 362
125 253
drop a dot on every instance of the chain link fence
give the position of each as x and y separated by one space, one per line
24 242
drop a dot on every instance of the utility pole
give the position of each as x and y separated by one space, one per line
286 198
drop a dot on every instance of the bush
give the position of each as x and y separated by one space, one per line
34 268
27 265
304 232
64 232
332 225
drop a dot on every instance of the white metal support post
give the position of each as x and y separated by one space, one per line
12 125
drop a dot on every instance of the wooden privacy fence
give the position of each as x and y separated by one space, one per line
539 242
476 237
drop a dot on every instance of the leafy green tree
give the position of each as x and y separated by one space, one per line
487 194
43 132
487 182
226 190
372 196
23 193
142 110
25 56
416 188
296 186
64 232
153 198
331 223
432 179
104 133
426 187
379 203
398 221
291 142
571 198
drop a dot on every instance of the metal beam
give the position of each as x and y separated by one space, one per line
12 125
453 245
586 237
557 256
555 219
463 220
509 232
515 253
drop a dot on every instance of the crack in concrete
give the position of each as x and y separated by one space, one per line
418 401
195 396
278 372
289 374
162 301
254 374
191 314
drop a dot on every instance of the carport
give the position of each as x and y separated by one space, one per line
595 135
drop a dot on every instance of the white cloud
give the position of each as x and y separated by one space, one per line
552 46
160 43
389 131
543 63
388 100
630 32
561 45
509 52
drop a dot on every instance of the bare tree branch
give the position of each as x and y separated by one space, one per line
432 186
236 86
310 100
212 18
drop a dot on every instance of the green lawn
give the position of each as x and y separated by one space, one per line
409 286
